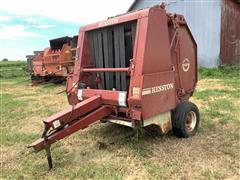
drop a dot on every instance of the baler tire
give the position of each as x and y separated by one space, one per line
180 116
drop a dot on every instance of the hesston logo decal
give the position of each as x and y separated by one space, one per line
157 89
186 65
108 22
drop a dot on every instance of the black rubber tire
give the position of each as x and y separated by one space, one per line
179 118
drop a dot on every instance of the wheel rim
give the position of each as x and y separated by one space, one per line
191 121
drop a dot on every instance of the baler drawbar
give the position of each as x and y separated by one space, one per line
134 69
69 121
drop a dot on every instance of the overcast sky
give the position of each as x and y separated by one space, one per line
27 25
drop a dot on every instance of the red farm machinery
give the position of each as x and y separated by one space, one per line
54 63
30 61
134 69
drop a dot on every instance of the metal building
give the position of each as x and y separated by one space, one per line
215 25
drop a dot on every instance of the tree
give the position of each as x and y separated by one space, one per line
5 59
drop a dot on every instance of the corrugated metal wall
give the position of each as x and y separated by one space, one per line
230 32
204 20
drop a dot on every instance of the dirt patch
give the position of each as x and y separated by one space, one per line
8 156
31 124
198 102
212 84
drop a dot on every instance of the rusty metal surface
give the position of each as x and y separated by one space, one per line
57 60
37 65
230 32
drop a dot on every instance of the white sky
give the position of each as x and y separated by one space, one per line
13 36
79 11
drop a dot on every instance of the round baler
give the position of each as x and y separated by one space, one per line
134 69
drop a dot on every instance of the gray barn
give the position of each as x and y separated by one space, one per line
209 21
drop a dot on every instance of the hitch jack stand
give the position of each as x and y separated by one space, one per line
48 154
47 147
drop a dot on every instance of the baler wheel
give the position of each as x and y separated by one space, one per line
185 119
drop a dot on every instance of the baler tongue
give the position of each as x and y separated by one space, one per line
68 121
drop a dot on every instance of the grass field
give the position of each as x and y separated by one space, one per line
213 153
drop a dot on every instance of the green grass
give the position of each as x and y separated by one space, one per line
221 72
13 69
213 153
222 92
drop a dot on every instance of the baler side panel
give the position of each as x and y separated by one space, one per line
158 94
138 57
173 35
157 54
187 62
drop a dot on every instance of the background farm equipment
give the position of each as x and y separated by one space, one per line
30 59
54 63
135 69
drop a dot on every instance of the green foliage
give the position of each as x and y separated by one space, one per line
13 64
13 69
221 72
5 59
